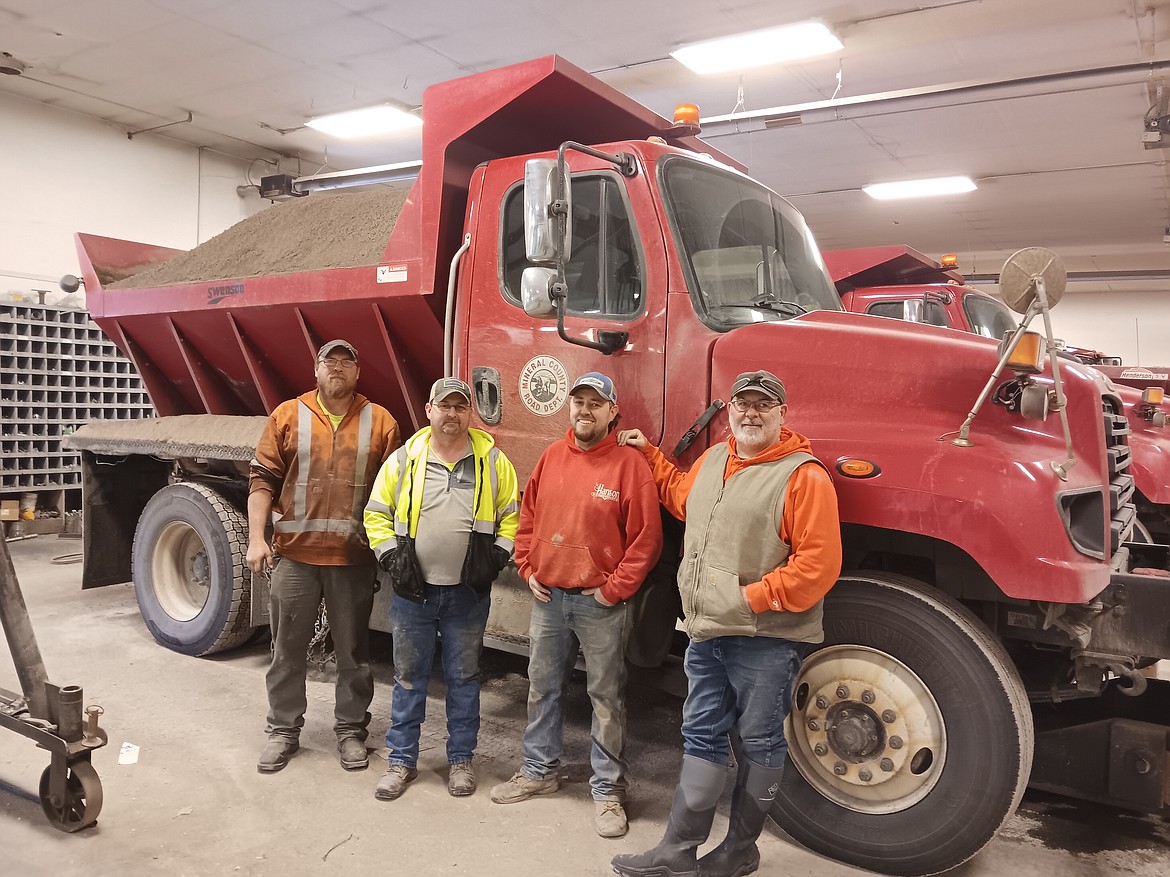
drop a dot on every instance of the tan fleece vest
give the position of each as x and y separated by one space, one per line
732 539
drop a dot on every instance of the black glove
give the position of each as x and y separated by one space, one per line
387 560
502 556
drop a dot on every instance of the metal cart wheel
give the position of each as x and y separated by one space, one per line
83 798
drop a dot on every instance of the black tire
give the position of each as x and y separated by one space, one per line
917 694
192 584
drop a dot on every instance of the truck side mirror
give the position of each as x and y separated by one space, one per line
536 291
542 192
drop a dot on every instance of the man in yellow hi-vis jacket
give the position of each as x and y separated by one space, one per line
442 520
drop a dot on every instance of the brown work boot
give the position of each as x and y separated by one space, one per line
353 754
521 788
461 781
393 782
610 818
277 752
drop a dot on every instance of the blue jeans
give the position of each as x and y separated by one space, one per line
740 681
556 629
457 616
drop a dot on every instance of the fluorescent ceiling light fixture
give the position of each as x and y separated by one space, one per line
919 188
365 122
759 47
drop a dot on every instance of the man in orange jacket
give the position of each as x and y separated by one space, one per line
590 531
762 548
315 465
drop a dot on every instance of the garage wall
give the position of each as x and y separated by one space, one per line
1132 325
65 173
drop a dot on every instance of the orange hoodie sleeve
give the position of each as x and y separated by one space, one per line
643 535
674 485
811 525
525 525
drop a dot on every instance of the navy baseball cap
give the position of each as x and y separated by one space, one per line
596 381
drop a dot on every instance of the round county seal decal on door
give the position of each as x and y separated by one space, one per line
544 385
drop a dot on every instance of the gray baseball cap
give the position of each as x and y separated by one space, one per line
762 382
328 347
444 387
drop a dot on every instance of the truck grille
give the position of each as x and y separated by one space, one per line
1122 512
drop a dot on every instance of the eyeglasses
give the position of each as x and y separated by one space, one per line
762 406
339 363
457 409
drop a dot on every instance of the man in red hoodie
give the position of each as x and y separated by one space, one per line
762 548
590 531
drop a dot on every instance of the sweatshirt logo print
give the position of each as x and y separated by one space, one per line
605 494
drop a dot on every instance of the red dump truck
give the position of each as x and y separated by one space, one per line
993 616
904 284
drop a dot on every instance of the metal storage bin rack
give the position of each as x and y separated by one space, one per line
57 371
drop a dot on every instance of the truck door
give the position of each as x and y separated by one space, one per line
519 367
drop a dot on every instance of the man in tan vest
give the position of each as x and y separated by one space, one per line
762 548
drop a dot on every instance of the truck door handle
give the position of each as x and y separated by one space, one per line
485 382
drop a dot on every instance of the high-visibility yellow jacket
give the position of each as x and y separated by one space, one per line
320 478
496 505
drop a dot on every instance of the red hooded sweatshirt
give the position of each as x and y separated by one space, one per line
590 519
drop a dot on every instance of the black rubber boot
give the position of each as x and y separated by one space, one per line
700 783
737 855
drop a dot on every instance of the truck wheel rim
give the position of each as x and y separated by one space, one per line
181 571
865 731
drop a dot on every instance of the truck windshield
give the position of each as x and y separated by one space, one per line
748 255
989 317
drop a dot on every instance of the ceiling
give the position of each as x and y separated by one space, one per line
1049 120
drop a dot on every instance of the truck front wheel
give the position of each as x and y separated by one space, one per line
910 738
192 585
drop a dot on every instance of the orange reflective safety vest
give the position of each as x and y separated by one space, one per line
320 479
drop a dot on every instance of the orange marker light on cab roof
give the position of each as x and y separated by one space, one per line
853 467
687 114
1153 395
950 260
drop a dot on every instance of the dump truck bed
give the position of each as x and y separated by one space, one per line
237 335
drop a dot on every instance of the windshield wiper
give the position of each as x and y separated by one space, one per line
772 303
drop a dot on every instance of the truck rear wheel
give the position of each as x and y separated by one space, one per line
910 737
190 579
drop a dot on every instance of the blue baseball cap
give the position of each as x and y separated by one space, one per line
596 381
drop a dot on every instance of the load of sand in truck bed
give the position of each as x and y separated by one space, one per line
323 230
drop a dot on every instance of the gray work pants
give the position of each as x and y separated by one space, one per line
296 592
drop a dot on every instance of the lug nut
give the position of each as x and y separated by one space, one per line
867 696
813 725
822 702
840 769
865 776
886 765
895 742
889 716
842 691
844 714
821 750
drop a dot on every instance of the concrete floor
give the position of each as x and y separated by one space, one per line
195 805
